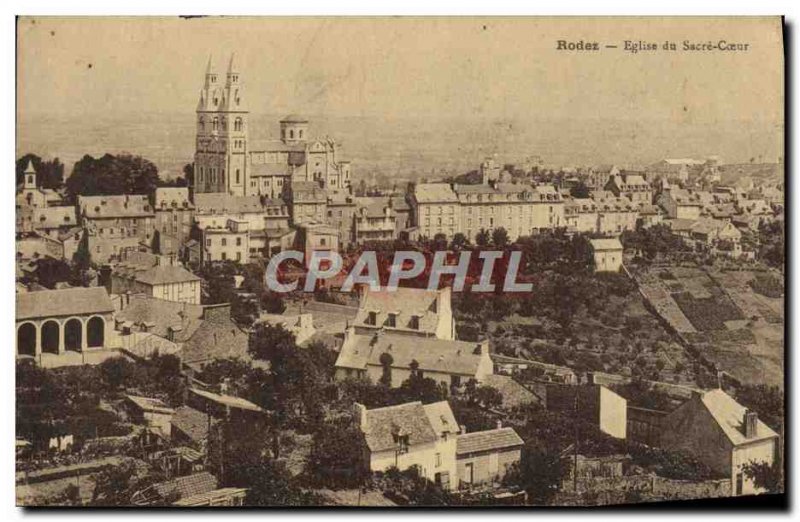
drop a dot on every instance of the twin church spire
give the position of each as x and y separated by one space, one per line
218 96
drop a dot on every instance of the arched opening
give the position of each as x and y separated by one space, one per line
26 339
73 335
95 332
50 333
291 134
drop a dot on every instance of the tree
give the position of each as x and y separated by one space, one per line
459 242
49 174
539 473
581 190
116 371
122 174
188 174
500 237
764 475
336 458
82 258
50 271
482 238
268 482
440 241
386 361
488 397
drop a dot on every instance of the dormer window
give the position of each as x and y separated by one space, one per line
391 321
372 318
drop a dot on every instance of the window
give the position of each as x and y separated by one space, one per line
739 483
391 321
238 241
238 176
414 322
455 381
402 443
291 134
238 256
224 256
322 241
224 242
372 318
438 460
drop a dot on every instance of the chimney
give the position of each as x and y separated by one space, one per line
590 378
499 424
750 424
361 416
463 429
224 386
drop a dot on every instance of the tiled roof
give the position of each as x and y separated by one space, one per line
384 425
374 206
227 400
490 440
405 302
187 486
514 394
70 301
441 417
54 217
269 169
214 339
605 244
435 193
223 202
150 404
162 314
210 496
439 355
125 206
173 197
729 414
193 423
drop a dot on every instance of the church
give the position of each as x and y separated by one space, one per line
226 161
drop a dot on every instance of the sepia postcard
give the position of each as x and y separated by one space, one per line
392 262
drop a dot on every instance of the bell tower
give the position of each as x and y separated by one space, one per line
234 115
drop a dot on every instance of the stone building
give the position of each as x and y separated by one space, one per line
116 223
228 161
484 457
606 254
58 321
159 276
174 215
723 434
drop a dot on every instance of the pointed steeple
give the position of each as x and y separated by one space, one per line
209 73
231 68
29 179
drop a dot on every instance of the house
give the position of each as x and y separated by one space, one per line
411 434
607 254
203 331
486 456
162 277
723 434
191 427
632 186
152 412
593 402
375 219
171 491
599 175
116 223
680 203
300 325
413 311
52 221
174 215
395 356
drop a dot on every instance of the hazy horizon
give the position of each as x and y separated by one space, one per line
404 96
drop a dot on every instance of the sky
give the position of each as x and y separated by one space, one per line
496 68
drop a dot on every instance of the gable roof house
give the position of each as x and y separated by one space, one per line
413 311
452 363
157 276
723 434
411 434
